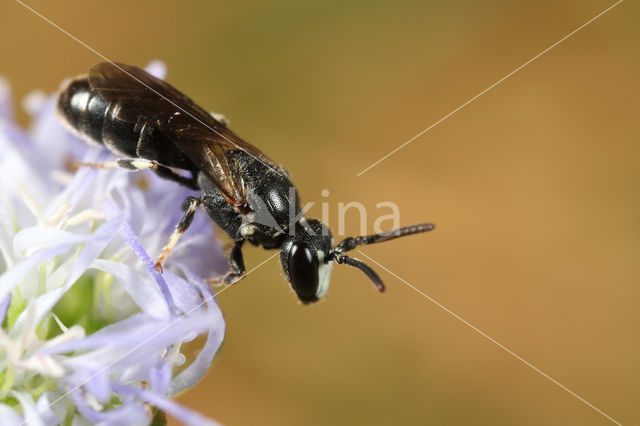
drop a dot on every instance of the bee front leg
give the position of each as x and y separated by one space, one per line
237 270
236 260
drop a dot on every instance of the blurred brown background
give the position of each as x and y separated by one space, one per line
533 187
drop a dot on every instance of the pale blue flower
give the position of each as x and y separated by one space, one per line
91 332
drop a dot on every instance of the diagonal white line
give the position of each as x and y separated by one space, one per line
490 87
138 80
139 345
491 339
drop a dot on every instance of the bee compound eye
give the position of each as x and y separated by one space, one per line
303 272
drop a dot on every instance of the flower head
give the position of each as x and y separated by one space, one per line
91 332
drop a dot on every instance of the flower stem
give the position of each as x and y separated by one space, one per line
7 382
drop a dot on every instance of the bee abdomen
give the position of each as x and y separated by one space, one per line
83 109
88 114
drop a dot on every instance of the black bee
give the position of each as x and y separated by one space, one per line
154 126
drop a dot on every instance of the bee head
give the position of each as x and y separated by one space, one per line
309 253
306 260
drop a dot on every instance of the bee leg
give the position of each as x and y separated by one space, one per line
190 205
236 260
135 164
237 270
167 173
131 164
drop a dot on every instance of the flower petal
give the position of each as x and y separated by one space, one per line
4 305
12 277
144 291
138 335
32 416
129 413
6 107
47 409
180 412
9 416
112 211
198 368
94 244
160 377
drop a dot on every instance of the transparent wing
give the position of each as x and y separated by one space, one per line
134 95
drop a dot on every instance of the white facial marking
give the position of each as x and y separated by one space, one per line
324 275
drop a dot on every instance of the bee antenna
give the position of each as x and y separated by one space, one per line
352 242
352 261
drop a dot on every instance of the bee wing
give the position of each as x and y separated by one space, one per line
136 95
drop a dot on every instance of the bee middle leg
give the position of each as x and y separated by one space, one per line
131 164
190 205
136 164
167 173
